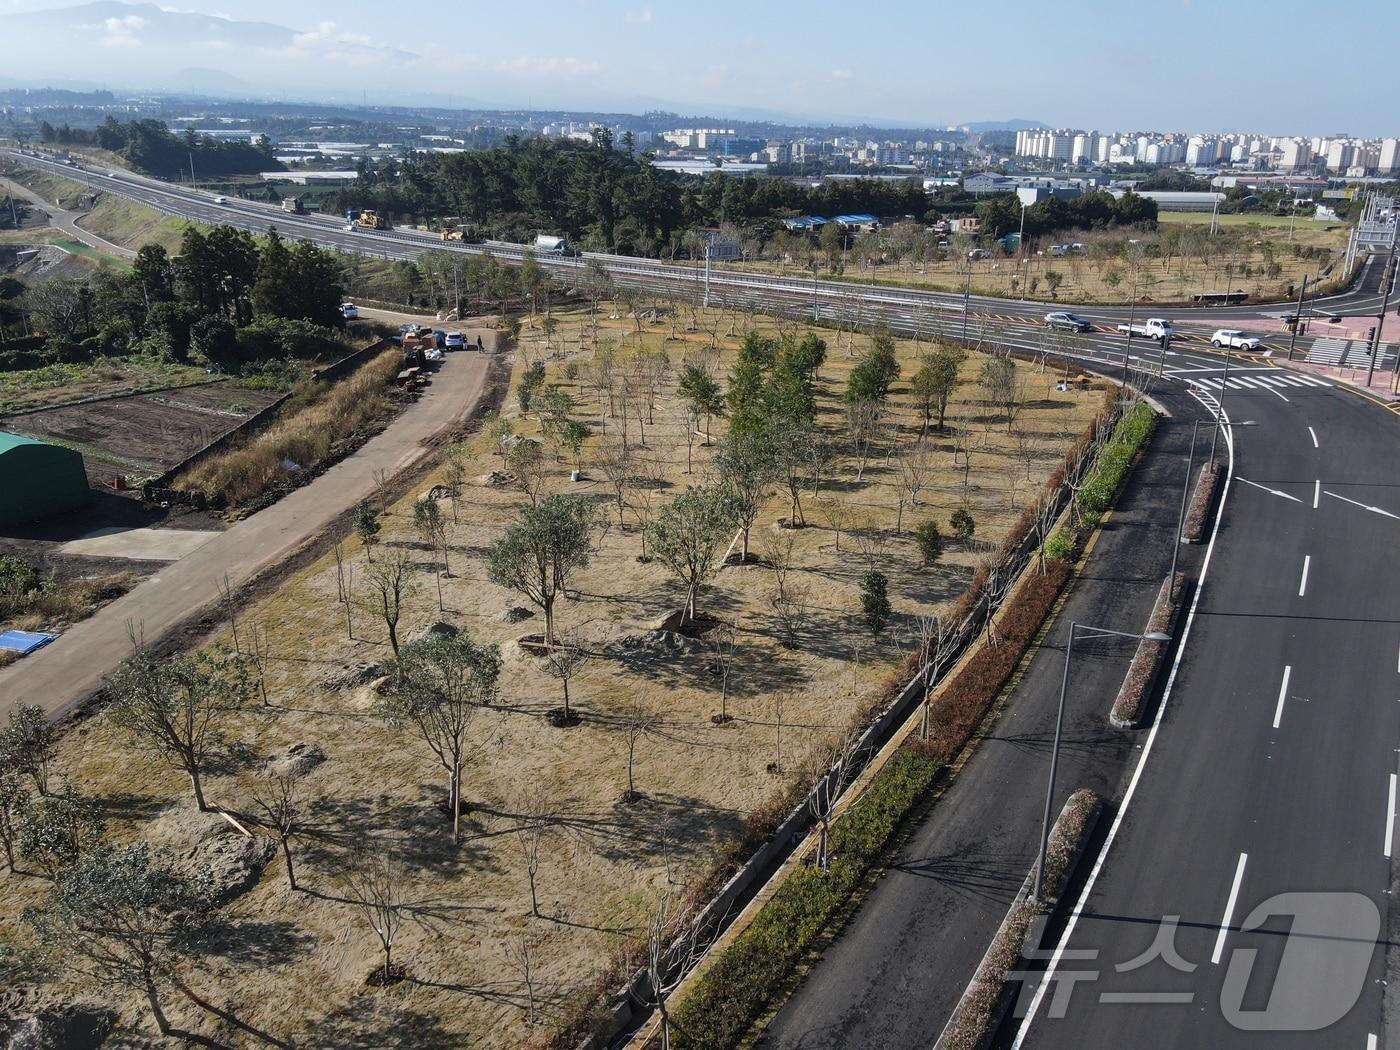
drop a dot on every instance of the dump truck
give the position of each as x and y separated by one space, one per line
366 219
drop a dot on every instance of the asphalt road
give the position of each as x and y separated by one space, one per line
896 972
1272 771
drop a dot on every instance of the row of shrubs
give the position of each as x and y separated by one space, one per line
1127 706
745 976
1201 501
315 421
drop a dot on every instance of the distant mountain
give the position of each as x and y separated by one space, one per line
1014 124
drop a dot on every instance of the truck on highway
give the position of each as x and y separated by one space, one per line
549 244
1158 328
293 206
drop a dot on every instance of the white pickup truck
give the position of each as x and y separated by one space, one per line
1153 328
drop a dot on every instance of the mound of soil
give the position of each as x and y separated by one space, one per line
653 646
297 760
212 852
350 676
516 614
434 630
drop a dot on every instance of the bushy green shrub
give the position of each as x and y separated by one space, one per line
744 977
1060 546
929 541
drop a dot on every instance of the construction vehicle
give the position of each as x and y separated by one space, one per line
464 233
293 206
367 219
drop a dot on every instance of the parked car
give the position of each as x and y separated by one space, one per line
978 253
1059 249
1065 319
455 341
1233 339
350 311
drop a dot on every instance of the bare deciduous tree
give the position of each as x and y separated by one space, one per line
565 659
390 582
280 803
838 514
374 881
724 641
636 721
837 765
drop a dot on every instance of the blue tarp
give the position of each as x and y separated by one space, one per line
24 642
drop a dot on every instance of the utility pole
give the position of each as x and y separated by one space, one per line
967 296
191 156
707 277
1297 318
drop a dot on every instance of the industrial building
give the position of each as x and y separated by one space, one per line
38 479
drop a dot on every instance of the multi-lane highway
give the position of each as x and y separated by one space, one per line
1272 766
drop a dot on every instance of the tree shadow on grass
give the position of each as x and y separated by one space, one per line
368 1022
254 943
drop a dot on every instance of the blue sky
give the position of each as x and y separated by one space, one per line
1185 64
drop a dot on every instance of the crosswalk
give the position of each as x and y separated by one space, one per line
1345 353
1278 380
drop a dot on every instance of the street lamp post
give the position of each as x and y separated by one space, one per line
1297 318
1185 488
1154 636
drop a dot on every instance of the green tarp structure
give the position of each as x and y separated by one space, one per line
38 479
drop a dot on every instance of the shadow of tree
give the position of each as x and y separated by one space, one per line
256 943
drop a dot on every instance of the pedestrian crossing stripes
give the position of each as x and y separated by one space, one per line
1263 381
1344 353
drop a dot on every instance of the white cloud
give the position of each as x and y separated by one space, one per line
841 74
548 66
121 32
642 17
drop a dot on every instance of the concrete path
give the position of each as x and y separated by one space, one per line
63 674
67 221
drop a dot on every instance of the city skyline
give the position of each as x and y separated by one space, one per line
778 61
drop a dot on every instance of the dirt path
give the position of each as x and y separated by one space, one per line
63 674
67 221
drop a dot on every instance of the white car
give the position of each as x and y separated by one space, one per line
1233 339
220 200
454 341
349 311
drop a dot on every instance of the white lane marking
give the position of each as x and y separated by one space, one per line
1278 394
1372 1042
1317 492
1229 911
1313 434
1303 586
1271 492
1068 932
1363 506
1282 695
1390 818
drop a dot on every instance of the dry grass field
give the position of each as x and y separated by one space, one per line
295 962
1171 264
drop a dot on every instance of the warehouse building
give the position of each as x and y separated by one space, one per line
38 479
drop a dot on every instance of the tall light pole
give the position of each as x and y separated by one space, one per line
1387 286
1181 514
1297 318
1154 636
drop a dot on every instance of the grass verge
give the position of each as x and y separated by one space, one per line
744 978
317 428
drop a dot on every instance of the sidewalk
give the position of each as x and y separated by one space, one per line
63 674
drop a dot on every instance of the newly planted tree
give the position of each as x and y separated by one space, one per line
375 882
367 526
280 804
542 552
123 919
28 745
688 536
748 464
390 582
437 687
875 602
175 707
58 828
565 660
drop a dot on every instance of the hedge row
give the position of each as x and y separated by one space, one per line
1201 501
1127 707
1116 460
729 997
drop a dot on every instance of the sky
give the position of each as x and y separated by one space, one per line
1207 65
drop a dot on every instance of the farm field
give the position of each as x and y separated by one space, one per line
147 433
51 384
607 817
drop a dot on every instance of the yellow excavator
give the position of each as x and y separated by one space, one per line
464 233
